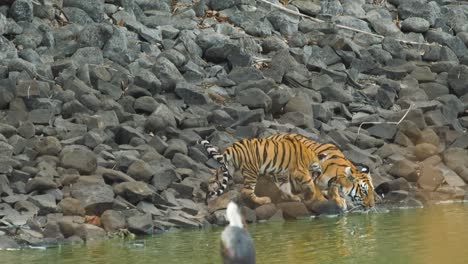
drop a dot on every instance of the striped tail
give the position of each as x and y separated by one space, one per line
214 153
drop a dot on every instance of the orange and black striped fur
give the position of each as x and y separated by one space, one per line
260 156
337 170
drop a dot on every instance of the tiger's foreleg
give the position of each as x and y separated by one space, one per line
313 191
283 182
286 193
334 194
248 191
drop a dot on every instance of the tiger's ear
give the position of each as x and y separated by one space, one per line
365 169
349 174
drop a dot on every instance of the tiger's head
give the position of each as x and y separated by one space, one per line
359 187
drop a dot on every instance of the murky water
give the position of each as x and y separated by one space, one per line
437 234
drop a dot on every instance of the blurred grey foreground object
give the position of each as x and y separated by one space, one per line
236 244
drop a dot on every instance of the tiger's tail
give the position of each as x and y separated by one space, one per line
214 153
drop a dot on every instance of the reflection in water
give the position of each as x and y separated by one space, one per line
431 235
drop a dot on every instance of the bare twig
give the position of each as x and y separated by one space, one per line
342 26
390 123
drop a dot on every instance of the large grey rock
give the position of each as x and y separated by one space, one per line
45 203
149 208
297 119
182 219
90 232
7 130
174 56
228 52
5 188
430 177
446 39
141 224
126 134
94 197
293 210
433 89
415 24
254 98
307 7
22 10
71 206
191 94
383 131
458 79
95 35
8 243
164 176
393 185
281 63
146 104
330 8
78 16
88 55
381 21
94 8
167 73
283 22
273 43
40 184
79 158
47 145
419 8
113 220
134 192
406 169
243 74
175 145
116 48
337 93
354 8
140 171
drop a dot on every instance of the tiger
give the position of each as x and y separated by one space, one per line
356 184
260 156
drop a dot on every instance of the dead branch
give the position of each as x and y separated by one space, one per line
344 27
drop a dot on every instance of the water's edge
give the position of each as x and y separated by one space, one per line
428 235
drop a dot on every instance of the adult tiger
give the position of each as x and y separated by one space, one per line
261 156
356 183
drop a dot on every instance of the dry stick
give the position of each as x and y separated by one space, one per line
344 27
391 123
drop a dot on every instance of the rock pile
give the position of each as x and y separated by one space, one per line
101 103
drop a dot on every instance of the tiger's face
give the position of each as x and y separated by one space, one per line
362 192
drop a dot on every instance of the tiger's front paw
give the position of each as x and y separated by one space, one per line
295 198
290 197
262 200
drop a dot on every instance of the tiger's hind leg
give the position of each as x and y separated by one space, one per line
248 191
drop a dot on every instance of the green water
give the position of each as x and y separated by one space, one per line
437 234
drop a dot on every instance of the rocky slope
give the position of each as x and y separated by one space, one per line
101 103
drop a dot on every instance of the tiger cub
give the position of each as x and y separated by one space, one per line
356 184
260 156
